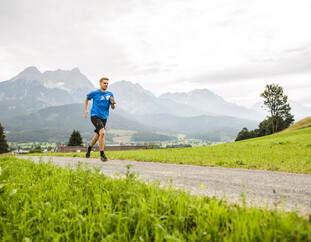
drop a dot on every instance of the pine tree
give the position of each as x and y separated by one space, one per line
75 139
4 147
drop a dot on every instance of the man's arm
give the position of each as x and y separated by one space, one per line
86 107
113 104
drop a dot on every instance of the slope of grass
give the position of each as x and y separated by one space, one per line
288 151
42 202
304 123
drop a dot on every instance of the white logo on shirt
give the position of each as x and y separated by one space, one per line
103 97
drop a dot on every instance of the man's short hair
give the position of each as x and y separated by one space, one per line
104 78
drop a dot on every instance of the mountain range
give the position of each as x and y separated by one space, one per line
34 101
32 90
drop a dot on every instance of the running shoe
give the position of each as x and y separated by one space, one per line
88 153
104 158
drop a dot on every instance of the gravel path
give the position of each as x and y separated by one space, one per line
289 190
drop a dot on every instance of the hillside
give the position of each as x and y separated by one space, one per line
304 123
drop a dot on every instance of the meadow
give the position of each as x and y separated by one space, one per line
287 151
43 202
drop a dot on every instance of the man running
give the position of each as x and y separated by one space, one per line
102 100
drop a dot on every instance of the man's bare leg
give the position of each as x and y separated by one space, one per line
94 140
102 144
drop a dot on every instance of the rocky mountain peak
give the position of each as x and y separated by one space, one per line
76 69
129 86
67 79
31 73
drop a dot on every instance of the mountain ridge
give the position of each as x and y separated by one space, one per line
212 103
32 90
199 112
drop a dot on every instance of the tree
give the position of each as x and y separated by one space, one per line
152 145
75 139
37 149
4 147
264 128
276 102
245 134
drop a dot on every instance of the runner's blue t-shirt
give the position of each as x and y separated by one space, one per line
101 103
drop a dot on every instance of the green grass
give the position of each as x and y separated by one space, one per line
288 151
42 202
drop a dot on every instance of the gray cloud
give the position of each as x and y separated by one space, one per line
290 61
154 41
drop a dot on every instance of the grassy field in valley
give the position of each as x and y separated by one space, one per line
43 202
287 151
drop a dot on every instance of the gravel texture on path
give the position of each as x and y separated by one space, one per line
290 191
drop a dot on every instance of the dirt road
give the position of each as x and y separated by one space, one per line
289 190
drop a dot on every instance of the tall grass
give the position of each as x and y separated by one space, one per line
42 202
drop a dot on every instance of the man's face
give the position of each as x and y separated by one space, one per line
104 84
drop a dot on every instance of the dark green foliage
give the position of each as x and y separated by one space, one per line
75 139
37 149
264 128
179 146
245 134
152 145
4 147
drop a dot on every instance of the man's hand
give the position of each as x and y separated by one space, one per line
112 103
86 112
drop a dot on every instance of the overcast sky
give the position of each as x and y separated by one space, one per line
231 47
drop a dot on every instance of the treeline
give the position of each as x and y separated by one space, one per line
264 128
178 146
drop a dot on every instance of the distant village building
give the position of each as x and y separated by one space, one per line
21 151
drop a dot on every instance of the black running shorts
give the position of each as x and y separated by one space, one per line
98 123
